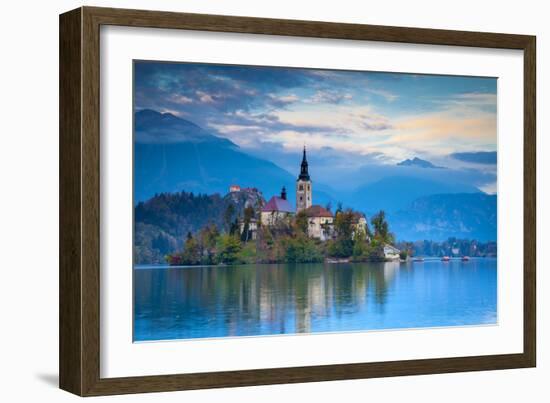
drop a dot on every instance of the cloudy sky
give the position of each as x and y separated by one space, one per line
349 120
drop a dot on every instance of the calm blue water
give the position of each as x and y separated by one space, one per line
183 303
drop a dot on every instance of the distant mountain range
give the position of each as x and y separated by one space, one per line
417 162
438 217
398 192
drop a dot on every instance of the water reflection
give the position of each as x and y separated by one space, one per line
174 303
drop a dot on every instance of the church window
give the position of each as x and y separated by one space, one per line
301 187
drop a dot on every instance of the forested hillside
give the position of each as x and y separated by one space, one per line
163 222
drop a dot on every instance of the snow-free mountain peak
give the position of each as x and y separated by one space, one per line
417 162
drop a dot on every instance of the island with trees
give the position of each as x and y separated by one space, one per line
288 241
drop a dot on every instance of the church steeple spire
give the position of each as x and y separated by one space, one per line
303 186
304 174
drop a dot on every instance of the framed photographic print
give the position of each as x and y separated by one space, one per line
249 201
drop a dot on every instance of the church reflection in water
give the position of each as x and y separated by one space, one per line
226 301
257 299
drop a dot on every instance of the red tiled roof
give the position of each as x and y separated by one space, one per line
278 204
318 211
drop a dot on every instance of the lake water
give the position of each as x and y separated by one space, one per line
250 300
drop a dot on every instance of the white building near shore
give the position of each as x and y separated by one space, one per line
391 252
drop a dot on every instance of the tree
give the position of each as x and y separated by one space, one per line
343 224
302 250
248 216
248 254
342 246
208 238
161 243
381 227
228 216
191 252
228 248
265 245
234 228
339 208
246 231
259 204
407 249
361 247
301 223
368 232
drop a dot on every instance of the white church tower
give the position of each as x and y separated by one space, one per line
303 187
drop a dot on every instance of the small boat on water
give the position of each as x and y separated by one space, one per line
465 258
445 258
418 259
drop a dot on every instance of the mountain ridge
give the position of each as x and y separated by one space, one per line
417 162
398 192
441 216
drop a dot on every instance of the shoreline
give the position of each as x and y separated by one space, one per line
328 261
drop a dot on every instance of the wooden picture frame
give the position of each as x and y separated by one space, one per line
79 348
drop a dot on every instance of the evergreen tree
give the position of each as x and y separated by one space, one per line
228 248
339 208
228 216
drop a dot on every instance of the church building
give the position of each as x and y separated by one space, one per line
320 220
303 187
277 210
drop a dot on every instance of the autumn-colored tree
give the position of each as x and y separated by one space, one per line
191 251
361 247
301 223
208 237
381 228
